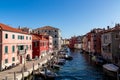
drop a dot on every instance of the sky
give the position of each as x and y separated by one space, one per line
72 17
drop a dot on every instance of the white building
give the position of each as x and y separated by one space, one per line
54 32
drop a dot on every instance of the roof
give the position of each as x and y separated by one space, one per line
47 28
38 37
43 33
8 28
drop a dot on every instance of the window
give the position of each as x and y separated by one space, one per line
26 47
26 37
30 38
55 31
13 49
6 61
55 36
22 37
6 36
116 36
18 36
13 58
30 46
20 47
6 49
13 36
35 44
50 43
55 42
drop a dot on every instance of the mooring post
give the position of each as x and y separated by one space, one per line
22 74
29 75
14 75
33 71
39 67
6 78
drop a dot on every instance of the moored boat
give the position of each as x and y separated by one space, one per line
111 70
67 57
47 74
55 66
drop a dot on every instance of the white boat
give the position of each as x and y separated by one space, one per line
111 67
111 70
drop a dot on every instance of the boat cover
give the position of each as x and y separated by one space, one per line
111 67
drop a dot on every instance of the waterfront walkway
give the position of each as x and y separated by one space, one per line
9 74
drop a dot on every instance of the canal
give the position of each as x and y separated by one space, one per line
80 68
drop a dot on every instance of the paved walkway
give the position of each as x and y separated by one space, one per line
29 65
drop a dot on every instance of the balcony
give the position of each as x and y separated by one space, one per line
21 52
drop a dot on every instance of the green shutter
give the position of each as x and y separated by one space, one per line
6 49
13 58
13 48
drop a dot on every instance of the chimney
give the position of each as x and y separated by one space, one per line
103 29
108 27
19 27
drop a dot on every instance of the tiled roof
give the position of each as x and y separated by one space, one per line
38 37
35 37
8 28
47 28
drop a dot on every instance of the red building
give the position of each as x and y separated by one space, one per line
92 41
40 45
72 42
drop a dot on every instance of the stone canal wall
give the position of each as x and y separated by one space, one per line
17 73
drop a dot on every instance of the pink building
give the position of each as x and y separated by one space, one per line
15 46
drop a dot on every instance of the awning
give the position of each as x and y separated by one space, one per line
111 67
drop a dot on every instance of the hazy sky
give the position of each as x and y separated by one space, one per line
72 17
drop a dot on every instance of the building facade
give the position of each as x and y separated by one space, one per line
78 44
40 45
96 41
15 46
54 32
72 42
65 42
25 29
110 46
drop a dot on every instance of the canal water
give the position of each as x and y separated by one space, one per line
80 68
